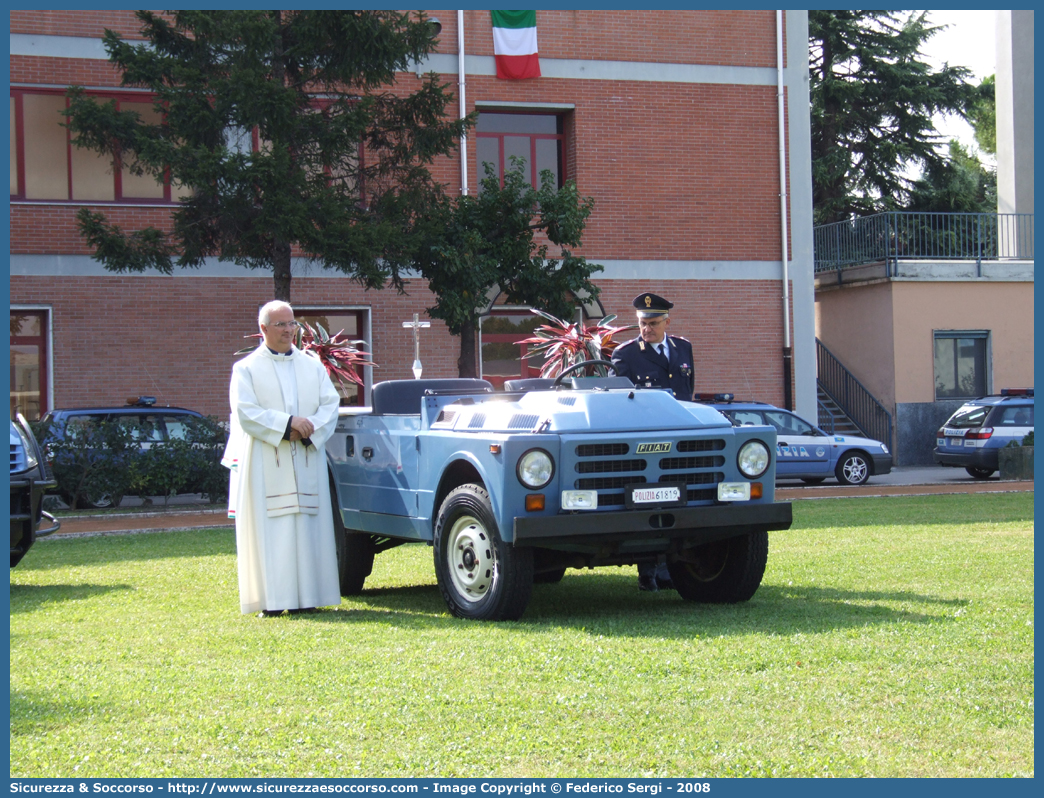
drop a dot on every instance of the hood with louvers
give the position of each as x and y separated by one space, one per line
580 411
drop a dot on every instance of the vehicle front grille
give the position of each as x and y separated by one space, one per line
607 483
708 478
602 450
678 463
604 467
17 458
713 445
609 466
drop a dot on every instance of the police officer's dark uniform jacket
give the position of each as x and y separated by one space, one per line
647 368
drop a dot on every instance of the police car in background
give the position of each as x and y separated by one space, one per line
972 437
806 452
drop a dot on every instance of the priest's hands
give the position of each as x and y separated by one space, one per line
301 428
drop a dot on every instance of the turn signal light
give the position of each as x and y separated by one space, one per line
534 502
494 448
755 490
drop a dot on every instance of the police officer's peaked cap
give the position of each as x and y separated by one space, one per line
649 305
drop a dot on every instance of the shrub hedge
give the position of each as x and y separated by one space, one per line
98 463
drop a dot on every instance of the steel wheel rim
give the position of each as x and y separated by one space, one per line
472 558
855 469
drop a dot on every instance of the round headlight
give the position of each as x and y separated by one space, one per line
535 469
753 459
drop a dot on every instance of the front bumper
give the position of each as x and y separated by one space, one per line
27 514
882 464
694 524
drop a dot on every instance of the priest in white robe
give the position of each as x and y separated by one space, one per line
284 409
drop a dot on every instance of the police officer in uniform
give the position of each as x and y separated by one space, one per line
656 360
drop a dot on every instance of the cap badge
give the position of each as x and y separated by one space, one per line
648 301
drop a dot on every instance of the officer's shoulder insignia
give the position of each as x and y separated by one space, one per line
679 338
632 342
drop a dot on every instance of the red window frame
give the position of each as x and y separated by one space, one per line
307 313
40 342
533 138
120 97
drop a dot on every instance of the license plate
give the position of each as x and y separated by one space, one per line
655 494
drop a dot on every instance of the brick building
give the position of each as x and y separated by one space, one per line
669 119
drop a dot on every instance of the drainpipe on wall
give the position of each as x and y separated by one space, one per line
463 104
788 351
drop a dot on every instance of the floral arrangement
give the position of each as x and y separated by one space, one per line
338 355
562 344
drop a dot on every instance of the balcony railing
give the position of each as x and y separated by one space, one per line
900 236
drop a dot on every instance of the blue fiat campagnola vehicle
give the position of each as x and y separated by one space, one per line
513 487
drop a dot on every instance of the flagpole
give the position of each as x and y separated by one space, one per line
463 104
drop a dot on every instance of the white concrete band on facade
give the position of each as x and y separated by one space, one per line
448 64
86 266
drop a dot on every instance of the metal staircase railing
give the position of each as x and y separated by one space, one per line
852 396
826 412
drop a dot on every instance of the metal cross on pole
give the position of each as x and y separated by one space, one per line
416 324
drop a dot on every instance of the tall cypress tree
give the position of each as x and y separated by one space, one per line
873 99
339 167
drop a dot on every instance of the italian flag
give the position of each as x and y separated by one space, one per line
515 44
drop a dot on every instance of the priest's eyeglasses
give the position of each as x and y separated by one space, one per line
283 325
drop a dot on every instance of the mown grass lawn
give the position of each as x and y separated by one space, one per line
890 637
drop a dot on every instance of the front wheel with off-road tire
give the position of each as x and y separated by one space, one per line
480 576
723 572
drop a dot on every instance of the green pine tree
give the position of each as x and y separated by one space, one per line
983 116
341 167
959 184
873 99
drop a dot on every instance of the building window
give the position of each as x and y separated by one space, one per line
502 358
501 328
353 324
537 138
28 366
961 363
46 165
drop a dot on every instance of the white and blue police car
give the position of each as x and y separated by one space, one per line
972 437
804 451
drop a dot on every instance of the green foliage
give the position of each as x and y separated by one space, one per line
101 459
313 86
1026 441
891 637
959 184
873 99
561 344
983 115
91 460
488 240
